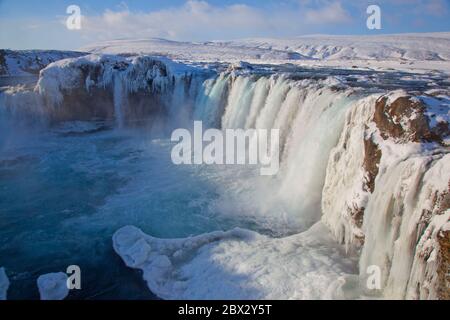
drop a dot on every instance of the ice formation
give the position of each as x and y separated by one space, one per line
387 192
4 284
238 264
53 286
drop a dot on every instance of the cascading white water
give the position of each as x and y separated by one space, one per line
394 222
119 101
310 117
208 107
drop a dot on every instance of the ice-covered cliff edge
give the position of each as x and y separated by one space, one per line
103 86
387 192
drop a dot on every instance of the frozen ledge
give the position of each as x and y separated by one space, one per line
238 264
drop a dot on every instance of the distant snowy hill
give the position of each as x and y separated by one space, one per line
30 62
190 51
416 47
405 47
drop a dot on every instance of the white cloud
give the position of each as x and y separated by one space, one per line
200 20
331 13
194 20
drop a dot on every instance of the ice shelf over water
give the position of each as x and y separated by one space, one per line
238 264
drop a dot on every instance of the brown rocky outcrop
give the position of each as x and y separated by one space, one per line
404 120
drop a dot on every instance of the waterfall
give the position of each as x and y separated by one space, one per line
394 222
119 101
210 102
310 117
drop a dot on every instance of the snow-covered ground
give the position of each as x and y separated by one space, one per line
30 62
430 51
408 47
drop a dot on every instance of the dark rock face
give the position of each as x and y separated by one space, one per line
440 276
442 203
444 270
372 157
404 120
80 104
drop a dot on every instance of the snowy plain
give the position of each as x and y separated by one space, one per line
409 52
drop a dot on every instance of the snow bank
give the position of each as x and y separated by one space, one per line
53 286
238 264
4 284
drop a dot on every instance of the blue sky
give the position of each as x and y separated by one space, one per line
35 24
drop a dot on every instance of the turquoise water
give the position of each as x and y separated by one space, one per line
63 195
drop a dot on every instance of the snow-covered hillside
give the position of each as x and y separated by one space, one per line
190 51
408 47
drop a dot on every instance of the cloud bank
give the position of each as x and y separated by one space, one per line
199 20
